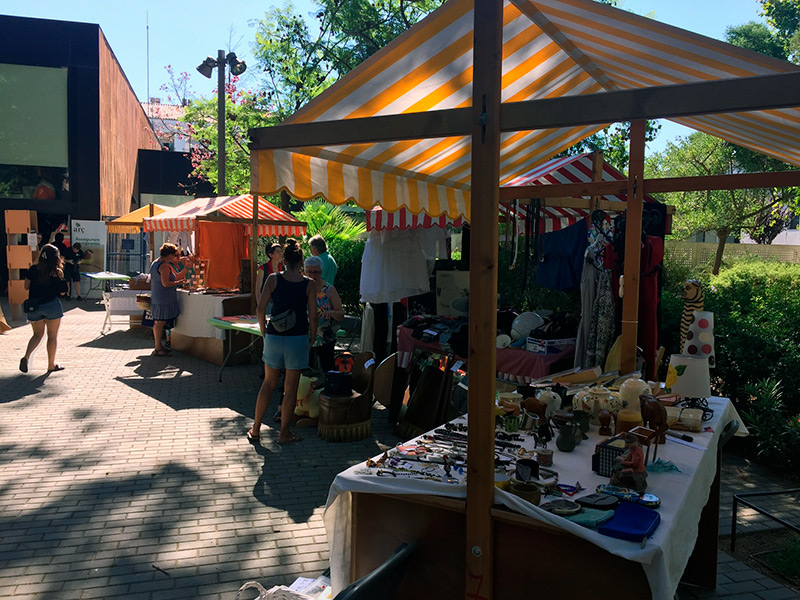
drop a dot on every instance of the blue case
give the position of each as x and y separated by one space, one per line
631 522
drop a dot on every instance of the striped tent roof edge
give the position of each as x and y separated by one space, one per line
184 216
551 48
378 219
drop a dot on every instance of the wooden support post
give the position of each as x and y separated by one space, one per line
484 197
254 233
633 247
151 210
597 175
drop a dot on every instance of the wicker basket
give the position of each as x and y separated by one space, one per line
143 301
603 458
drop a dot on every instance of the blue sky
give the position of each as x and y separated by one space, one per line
183 33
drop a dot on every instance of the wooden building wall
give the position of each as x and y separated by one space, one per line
124 129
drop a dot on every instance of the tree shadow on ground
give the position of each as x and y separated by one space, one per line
120 340
88 539
20 386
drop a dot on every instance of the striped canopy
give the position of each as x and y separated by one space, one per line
184 216
551 48
378 219
132 222
569 169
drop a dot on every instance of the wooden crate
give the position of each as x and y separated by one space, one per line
21 257
17 294
21 221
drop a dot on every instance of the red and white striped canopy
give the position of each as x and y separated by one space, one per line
568 169
378 220
184 217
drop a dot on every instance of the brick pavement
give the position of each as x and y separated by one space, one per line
128 476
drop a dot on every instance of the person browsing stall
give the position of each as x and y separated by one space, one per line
45 284
288 336
319 247
164 283
329 314
73 271
274 264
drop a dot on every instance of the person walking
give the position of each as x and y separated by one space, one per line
288 336
319 247
164 295
45 284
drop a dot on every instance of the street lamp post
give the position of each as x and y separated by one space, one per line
206 68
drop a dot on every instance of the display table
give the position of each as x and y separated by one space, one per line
368 516
102 280
513 364
194 335
120 302
243 323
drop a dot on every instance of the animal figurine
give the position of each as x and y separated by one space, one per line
654 415
692 295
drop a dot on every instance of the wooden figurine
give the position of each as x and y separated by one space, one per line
692 295
654 415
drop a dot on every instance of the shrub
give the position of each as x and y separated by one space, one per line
347 254
776 432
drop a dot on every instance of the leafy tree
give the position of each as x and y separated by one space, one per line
758 37
723 212
784 17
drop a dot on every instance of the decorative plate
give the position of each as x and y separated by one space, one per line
561 507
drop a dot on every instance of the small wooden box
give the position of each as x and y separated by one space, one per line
17 294
21 221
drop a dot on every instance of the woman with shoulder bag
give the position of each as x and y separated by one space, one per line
287 338
45 284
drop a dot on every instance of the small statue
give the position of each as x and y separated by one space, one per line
654 415
692 295
629 469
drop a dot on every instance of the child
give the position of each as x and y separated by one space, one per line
630 471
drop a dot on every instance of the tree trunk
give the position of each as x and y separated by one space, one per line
722 236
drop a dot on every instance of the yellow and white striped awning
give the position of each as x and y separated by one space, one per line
551 48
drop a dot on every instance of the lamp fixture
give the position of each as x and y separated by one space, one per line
206 68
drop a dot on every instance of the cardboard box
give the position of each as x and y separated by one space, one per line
21 221
21 257
17 294
540 346
138 284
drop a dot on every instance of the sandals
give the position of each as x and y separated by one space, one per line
291 440
252 437
56 368
161 353
277 417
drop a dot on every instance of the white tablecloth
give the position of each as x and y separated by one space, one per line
683 495
196 309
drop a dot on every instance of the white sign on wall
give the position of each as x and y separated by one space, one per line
92 237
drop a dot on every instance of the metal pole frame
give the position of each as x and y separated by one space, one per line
221 123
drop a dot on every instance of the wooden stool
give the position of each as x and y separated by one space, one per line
344 418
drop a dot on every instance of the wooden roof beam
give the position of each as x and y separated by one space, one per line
743 181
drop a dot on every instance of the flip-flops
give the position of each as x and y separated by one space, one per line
23 364
161 353
291 440
276 417
252 437
56 368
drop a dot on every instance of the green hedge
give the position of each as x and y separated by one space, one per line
756 306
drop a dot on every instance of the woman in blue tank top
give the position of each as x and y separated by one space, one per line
287 338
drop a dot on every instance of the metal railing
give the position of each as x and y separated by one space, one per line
740 498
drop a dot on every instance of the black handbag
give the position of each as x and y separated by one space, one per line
30 305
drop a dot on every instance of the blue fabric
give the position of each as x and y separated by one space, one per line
50 311
561 257
163 301
286 351
329 268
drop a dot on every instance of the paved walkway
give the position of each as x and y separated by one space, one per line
128 476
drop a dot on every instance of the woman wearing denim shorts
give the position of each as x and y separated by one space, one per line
286 346
45 283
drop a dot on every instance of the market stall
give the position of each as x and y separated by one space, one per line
220 227
420 126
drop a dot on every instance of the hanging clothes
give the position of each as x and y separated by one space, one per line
561 257
602 328
652 255
591 272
